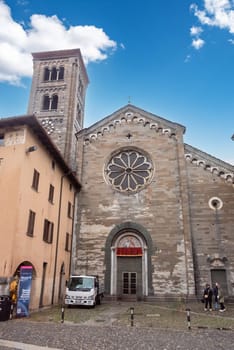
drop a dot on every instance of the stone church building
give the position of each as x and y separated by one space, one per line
155 216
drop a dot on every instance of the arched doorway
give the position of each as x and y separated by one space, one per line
25 263
25 271
129 266
128 262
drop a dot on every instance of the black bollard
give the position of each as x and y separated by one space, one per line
132 315
188 318
62 314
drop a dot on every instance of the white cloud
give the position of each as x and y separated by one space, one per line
198 43
45 34
216 13
195 31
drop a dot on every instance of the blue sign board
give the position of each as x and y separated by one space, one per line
24 290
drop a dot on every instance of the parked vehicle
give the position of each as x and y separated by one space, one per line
83 290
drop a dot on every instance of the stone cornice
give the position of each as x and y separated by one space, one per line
209 163
128 118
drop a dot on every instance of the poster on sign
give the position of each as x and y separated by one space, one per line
25 282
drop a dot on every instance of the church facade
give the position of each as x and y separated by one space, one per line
154 216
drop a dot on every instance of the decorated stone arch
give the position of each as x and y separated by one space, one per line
128 264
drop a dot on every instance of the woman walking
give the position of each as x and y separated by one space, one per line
216 294
221 300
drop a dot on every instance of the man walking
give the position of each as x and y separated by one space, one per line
207 295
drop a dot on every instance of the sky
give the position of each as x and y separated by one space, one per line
172 58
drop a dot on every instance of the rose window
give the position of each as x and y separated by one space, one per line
129 171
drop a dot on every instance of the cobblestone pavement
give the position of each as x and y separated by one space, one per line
84 337
26 334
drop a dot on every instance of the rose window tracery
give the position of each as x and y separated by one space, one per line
129 171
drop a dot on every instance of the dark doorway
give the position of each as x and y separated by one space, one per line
129 277
219 275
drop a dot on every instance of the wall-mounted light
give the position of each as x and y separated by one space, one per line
31 149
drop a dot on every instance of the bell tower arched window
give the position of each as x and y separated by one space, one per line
50 103
61 73
46 74
54 73
54 102
46 103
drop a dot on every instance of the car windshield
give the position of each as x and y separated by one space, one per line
80 283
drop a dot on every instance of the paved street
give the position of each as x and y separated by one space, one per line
21 333
104 329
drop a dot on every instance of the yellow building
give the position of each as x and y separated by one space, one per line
38 195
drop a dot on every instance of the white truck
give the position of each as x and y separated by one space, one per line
83 290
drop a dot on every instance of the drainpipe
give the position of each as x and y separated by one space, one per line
57 238
73 229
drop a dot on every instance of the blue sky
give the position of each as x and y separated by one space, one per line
171 58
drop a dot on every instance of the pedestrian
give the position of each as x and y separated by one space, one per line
216 294
221 300
14 289
207 295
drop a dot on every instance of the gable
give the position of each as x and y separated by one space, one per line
131 115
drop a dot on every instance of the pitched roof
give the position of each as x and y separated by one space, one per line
34 125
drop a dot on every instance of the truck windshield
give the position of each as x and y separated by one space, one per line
80 283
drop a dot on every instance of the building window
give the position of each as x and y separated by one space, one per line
46 103
31 222
35 182
80 87
129 171
50 103
46 74
78 114
61 73
54 102
68 242
1 139
48 231
54 73
70 210
51 194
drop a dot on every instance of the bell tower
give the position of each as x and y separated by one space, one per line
57 97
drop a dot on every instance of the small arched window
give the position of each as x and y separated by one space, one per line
54 102
46 103
61 73
46 74
78 113
54 73
80 88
